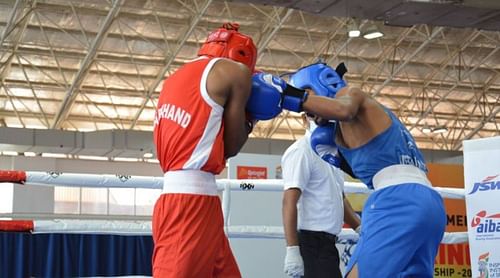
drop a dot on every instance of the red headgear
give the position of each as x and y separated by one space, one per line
227 42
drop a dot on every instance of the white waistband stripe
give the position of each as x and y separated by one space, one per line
399 174
190 182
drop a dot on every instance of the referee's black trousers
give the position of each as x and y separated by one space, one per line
320 255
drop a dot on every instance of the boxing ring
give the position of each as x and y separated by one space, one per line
111 248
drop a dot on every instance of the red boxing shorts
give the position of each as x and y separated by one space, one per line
189 239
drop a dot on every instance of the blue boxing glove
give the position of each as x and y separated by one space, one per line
321 78
323 144
271 94
264 102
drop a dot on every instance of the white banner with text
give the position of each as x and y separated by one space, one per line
482 196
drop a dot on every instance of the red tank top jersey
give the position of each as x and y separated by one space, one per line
188 126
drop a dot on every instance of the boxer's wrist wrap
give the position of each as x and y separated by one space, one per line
296 93
358 229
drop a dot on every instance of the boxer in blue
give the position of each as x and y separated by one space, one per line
404 219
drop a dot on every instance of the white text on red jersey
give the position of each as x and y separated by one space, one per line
171 112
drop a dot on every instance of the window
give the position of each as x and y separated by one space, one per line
6 197
122 201
104 201
67 200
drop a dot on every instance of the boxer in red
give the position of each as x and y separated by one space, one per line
199 122
205 112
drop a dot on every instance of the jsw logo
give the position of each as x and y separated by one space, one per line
486 223
489 183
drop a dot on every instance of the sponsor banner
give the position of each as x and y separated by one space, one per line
482 189
452 260
251 172
254 166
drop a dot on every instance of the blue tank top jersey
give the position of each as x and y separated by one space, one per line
395 145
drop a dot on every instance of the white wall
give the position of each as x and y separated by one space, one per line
6 189
259 258
27 198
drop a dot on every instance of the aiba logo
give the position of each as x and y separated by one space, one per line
489 183
484 223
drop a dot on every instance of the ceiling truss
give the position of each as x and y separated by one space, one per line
94 65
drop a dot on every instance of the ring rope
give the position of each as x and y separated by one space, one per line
138 228
144 227
127 181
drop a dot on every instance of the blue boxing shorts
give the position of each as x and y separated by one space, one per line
402 227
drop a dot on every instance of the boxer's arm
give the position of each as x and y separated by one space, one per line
236 128
344 107
350 216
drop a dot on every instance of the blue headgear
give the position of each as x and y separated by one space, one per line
321 78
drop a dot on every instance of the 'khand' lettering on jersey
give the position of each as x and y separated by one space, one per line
171 112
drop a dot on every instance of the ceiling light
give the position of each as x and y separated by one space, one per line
152 160
92 157
353 29
354 33
147 155
440 129
12 153
372 33
55 155
426 129
126 159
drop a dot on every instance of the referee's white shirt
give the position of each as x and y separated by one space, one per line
320 207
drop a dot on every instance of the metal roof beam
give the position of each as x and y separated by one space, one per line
20 15
458 81
265 40
85 65
16 19
478 128
263 43
408 59
166 67
10 23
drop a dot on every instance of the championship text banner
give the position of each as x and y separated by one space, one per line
482 196
452 260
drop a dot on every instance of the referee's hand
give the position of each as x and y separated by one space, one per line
294 265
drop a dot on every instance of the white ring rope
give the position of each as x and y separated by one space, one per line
92 180
126 181
144 228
